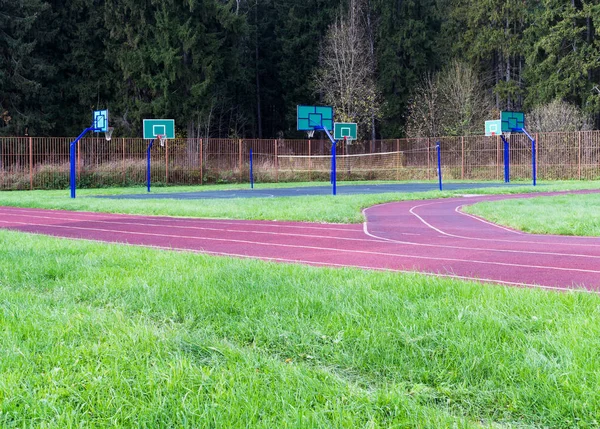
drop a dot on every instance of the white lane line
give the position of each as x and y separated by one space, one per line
459 211
236 222
546 243
375 238
327 249
475 249
195 228
332 264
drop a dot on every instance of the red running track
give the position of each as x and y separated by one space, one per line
430 236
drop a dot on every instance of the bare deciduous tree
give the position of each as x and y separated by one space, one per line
558 116
346 75
453 102
424 117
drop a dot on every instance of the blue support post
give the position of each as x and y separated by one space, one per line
506 160
251 171
148 163
333 168
73 177
439 157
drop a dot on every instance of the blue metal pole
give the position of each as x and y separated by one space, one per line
533 161
333 166
148 163
333 169
251 171
72 173
506 161
73 178
439 155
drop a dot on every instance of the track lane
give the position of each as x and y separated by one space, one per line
431 237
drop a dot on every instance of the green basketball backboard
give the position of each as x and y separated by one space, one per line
155 127
100 120
314 118
512 122
348 130
493 128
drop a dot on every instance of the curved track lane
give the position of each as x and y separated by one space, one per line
431 236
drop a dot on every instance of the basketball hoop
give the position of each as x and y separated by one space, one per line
162 139
310 133
108 133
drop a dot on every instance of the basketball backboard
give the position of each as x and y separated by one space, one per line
100 120
314 118
159 127
493 128
347 130
512 122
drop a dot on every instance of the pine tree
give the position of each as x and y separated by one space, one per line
406 47
564 59
27 105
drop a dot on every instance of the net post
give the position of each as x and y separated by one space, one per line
439 162
30 163
333 168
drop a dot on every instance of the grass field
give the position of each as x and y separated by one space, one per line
339 209
564 215
97 335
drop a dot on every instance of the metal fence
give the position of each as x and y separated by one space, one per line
43 163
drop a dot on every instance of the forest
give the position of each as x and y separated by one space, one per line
239 68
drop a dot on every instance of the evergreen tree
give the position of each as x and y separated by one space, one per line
406 47
301 29
564 59
85 73
177 59
489 34
27 105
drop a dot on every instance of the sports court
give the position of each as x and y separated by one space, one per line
310 191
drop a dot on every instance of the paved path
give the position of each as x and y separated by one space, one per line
431 236
308 191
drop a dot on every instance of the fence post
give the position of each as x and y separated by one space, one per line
124 167
579 155
201 159
397 159
462 169
240 158
535 153
276 163
78 160
309 162
30 163
428 159
166 160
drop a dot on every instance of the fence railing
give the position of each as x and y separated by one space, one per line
43 163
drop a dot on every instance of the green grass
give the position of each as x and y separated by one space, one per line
339 209
563 215
95 335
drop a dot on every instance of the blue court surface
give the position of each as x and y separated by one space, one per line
311 190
